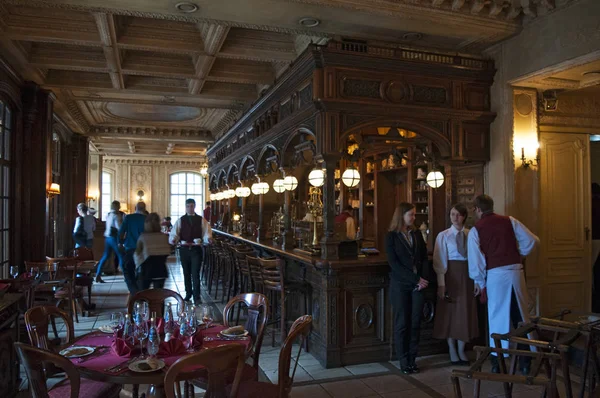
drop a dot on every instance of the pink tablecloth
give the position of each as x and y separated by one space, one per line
109 359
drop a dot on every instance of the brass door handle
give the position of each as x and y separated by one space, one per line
587 233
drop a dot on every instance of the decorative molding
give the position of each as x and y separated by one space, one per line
140 161
150 132
165 17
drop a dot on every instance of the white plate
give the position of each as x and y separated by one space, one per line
134 366
67 352
106 329
234 335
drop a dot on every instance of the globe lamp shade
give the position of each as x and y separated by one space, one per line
435 179
351 177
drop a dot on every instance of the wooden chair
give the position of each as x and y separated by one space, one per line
275 287
155 299
33 359
216 362
256 389
256 280
70 293
37 320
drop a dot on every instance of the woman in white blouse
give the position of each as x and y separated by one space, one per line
456 310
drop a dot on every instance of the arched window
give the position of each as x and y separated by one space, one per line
107 194
5 193
183 186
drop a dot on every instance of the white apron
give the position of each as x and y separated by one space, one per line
501 282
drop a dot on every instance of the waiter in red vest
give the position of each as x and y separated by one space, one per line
495 249
186 230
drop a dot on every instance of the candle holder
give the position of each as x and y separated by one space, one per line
526 163
315 207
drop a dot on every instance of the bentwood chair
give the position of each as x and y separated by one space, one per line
33 360
216 363
156 300
258 314
256 389
37 320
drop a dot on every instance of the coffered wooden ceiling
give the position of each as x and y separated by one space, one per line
141 77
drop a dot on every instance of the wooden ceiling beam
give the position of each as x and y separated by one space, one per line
213 37
108 35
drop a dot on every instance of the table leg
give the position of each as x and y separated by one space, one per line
135 390
586 359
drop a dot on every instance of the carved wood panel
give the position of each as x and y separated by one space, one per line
363 320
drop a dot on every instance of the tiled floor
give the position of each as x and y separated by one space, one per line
311 379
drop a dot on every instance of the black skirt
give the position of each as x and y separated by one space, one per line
155 267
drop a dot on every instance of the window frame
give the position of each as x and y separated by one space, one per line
111 174
6 224
201 195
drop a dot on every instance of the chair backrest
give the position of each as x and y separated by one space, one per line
155 298
258 314
24 286
83 254
33 360
217 361
272 273
255 270
37 320
300 328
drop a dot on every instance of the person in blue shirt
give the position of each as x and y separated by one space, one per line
130 231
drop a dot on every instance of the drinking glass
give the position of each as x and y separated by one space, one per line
207 317
116 321
145 311
35 272
141 333
185 334
152 347
14 271
181 313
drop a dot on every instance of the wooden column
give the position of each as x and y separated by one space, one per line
262 228
329 244
31 152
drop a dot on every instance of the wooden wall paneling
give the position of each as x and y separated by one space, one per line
31 155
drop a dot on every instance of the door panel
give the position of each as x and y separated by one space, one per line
565 216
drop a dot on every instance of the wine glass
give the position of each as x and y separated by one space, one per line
207 317
35 272
116 321
153 346
14 271
145 311
141 333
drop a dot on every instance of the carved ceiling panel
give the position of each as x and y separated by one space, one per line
120 64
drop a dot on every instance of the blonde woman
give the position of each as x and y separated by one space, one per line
456 310
407 255
151 254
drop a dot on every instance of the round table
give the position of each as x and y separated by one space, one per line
95 367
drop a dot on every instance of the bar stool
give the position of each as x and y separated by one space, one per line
243 269
256 278
273 278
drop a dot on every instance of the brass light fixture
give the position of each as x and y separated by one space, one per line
53 190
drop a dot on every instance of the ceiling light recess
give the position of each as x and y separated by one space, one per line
186 7
309 22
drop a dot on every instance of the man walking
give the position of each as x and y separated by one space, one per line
130 231
495 247
186 229
207 212
114 219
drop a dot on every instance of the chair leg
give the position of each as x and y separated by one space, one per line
53 320
274 312
282 319
307 313
456 384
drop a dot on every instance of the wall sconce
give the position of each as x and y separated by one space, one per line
140 195
53 190
92 196
204 169
534 162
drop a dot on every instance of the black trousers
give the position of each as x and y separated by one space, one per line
152 271
129 271
191 262
407 307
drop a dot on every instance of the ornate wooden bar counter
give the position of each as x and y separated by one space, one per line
349 302
386 116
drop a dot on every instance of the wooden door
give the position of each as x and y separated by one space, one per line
565 201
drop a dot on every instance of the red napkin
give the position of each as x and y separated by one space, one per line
483 296
122 348
25 276
197 340
171 348
4 286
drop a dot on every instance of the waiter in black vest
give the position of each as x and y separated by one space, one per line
188 229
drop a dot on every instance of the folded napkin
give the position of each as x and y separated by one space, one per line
122 348
171 348
197 340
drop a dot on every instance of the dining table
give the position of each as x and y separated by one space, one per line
105 365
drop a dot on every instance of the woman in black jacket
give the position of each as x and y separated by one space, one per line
407 255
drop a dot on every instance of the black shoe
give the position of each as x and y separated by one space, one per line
406 371
525 370
187 297
99 279
197 301
414 369
464 363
